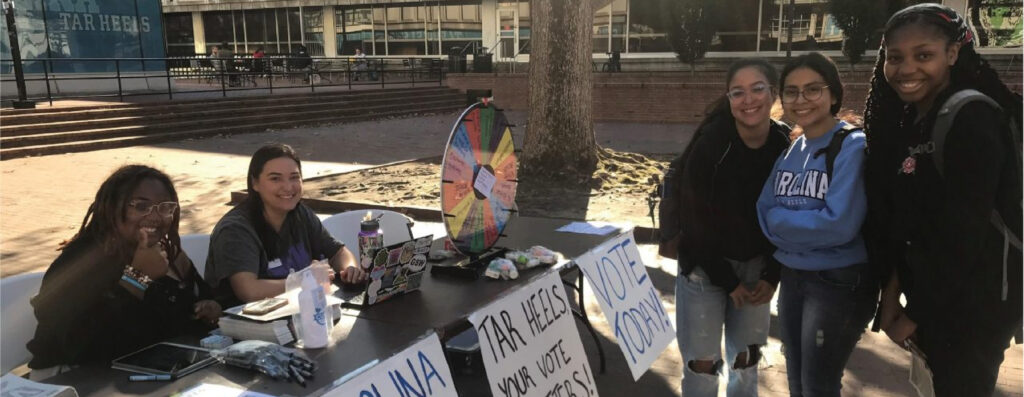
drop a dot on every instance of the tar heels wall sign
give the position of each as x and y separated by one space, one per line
62 29
629 301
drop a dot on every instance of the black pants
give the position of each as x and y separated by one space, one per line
965 361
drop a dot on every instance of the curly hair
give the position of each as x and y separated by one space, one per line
108 209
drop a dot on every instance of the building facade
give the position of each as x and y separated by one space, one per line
431 28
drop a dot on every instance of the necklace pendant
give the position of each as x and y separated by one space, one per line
909 165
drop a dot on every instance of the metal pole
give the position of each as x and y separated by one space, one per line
380 69
19 74
789 41
120 92
46 76
760 15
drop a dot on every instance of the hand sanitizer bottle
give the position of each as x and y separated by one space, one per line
313 314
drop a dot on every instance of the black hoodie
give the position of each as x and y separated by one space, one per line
948 255
720 184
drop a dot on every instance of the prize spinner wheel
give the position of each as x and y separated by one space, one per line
478 179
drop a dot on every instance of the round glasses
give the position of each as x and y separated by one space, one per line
757 91
812 93
165 209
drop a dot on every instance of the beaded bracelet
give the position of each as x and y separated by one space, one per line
135 283
131 272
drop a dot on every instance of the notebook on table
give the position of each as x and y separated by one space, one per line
397 269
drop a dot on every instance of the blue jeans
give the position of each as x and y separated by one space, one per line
822 315
702 309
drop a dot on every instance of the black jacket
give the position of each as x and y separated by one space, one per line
85 316
720 184
948 256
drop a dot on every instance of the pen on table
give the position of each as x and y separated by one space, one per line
146 378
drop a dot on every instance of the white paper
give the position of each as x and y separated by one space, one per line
211 390
530 345
14 385
484 182
420 370
597 228
617 275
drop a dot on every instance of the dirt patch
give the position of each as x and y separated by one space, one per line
617 191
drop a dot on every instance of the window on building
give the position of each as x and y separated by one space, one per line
313 26
180 37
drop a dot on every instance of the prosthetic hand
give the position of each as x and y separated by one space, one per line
269 358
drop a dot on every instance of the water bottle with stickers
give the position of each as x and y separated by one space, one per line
371 239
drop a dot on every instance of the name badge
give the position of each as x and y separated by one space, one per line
274 264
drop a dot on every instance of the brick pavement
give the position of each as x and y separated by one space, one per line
43 199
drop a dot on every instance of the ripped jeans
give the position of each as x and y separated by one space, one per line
702 309
822 315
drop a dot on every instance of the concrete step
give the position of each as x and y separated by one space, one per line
34 116
212 114
198 123
140 139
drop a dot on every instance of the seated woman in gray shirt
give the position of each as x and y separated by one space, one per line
258 243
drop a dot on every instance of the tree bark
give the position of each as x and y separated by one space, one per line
560 142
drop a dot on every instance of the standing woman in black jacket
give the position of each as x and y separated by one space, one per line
726 275
961 278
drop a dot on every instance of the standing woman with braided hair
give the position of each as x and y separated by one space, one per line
961 278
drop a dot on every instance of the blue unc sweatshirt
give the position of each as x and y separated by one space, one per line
813 221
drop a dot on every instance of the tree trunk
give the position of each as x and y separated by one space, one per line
560 142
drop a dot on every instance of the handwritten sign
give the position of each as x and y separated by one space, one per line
420 370
629 301
530 344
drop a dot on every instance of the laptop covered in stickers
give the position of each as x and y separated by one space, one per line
397 269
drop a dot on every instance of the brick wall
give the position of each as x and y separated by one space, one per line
660 97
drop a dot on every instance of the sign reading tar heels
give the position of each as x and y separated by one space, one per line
73 21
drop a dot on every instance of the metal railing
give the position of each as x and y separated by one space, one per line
96 77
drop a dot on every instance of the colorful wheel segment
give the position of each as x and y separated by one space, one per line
478 179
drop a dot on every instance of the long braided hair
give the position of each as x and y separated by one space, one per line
109 207
884 111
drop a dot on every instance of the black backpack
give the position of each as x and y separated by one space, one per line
943 123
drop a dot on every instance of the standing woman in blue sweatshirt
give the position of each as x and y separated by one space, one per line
726 278
827 295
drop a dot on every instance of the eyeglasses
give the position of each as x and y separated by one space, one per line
757 91
812 93
165 209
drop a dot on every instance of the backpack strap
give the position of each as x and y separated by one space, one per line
835 145
945 117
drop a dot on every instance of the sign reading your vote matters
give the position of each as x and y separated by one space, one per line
630 303
530 344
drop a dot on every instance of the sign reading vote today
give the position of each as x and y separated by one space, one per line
530 344
420 370
629 301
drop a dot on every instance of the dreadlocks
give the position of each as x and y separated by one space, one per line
109 208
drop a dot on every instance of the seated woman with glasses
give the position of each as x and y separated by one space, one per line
122 282
256 245
726 278
812 208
